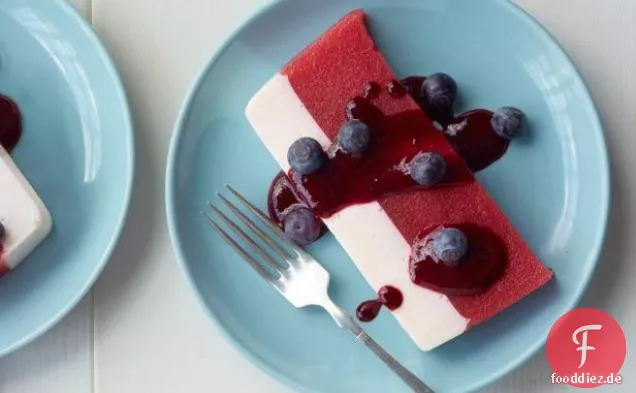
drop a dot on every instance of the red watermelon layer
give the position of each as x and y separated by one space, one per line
330 73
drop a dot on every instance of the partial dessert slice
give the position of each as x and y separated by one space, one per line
25 219
308 99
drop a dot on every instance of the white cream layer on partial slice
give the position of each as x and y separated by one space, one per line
365 231
25 218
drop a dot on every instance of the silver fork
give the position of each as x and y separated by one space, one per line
293 272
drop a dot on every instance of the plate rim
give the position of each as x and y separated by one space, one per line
257 360
129 154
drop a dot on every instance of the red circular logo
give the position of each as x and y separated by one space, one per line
586 348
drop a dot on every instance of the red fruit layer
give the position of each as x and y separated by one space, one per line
330 73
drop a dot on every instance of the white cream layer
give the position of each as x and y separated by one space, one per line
365 231
25 218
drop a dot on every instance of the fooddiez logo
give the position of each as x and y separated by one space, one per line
586 348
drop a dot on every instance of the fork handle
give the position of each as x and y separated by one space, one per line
345 320
408 377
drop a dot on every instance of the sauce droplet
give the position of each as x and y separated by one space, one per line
388 296
10 123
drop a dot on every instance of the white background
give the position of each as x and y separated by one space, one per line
141 329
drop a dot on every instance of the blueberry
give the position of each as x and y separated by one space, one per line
427 169
306 156
302 226
354 137
3 233
508 122
450 245
439 92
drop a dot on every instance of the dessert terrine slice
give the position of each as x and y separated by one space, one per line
385 236
24 220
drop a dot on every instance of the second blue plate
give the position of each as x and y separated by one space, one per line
76 150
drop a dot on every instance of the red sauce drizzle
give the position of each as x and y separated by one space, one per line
348 180
10 123
388 296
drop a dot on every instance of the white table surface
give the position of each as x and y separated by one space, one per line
141 329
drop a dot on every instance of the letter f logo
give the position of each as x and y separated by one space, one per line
583 344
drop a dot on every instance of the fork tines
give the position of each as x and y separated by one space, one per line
275 260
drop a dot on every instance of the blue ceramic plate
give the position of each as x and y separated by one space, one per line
554 187
77 151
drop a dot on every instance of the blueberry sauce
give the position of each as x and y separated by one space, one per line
382 169
351 180
282 198
472 137
470 133
348 180
388 297
10 123
484 263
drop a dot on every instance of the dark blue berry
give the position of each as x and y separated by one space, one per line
302 226
354 137
306 156
450 246
508 122
427 169
439 92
